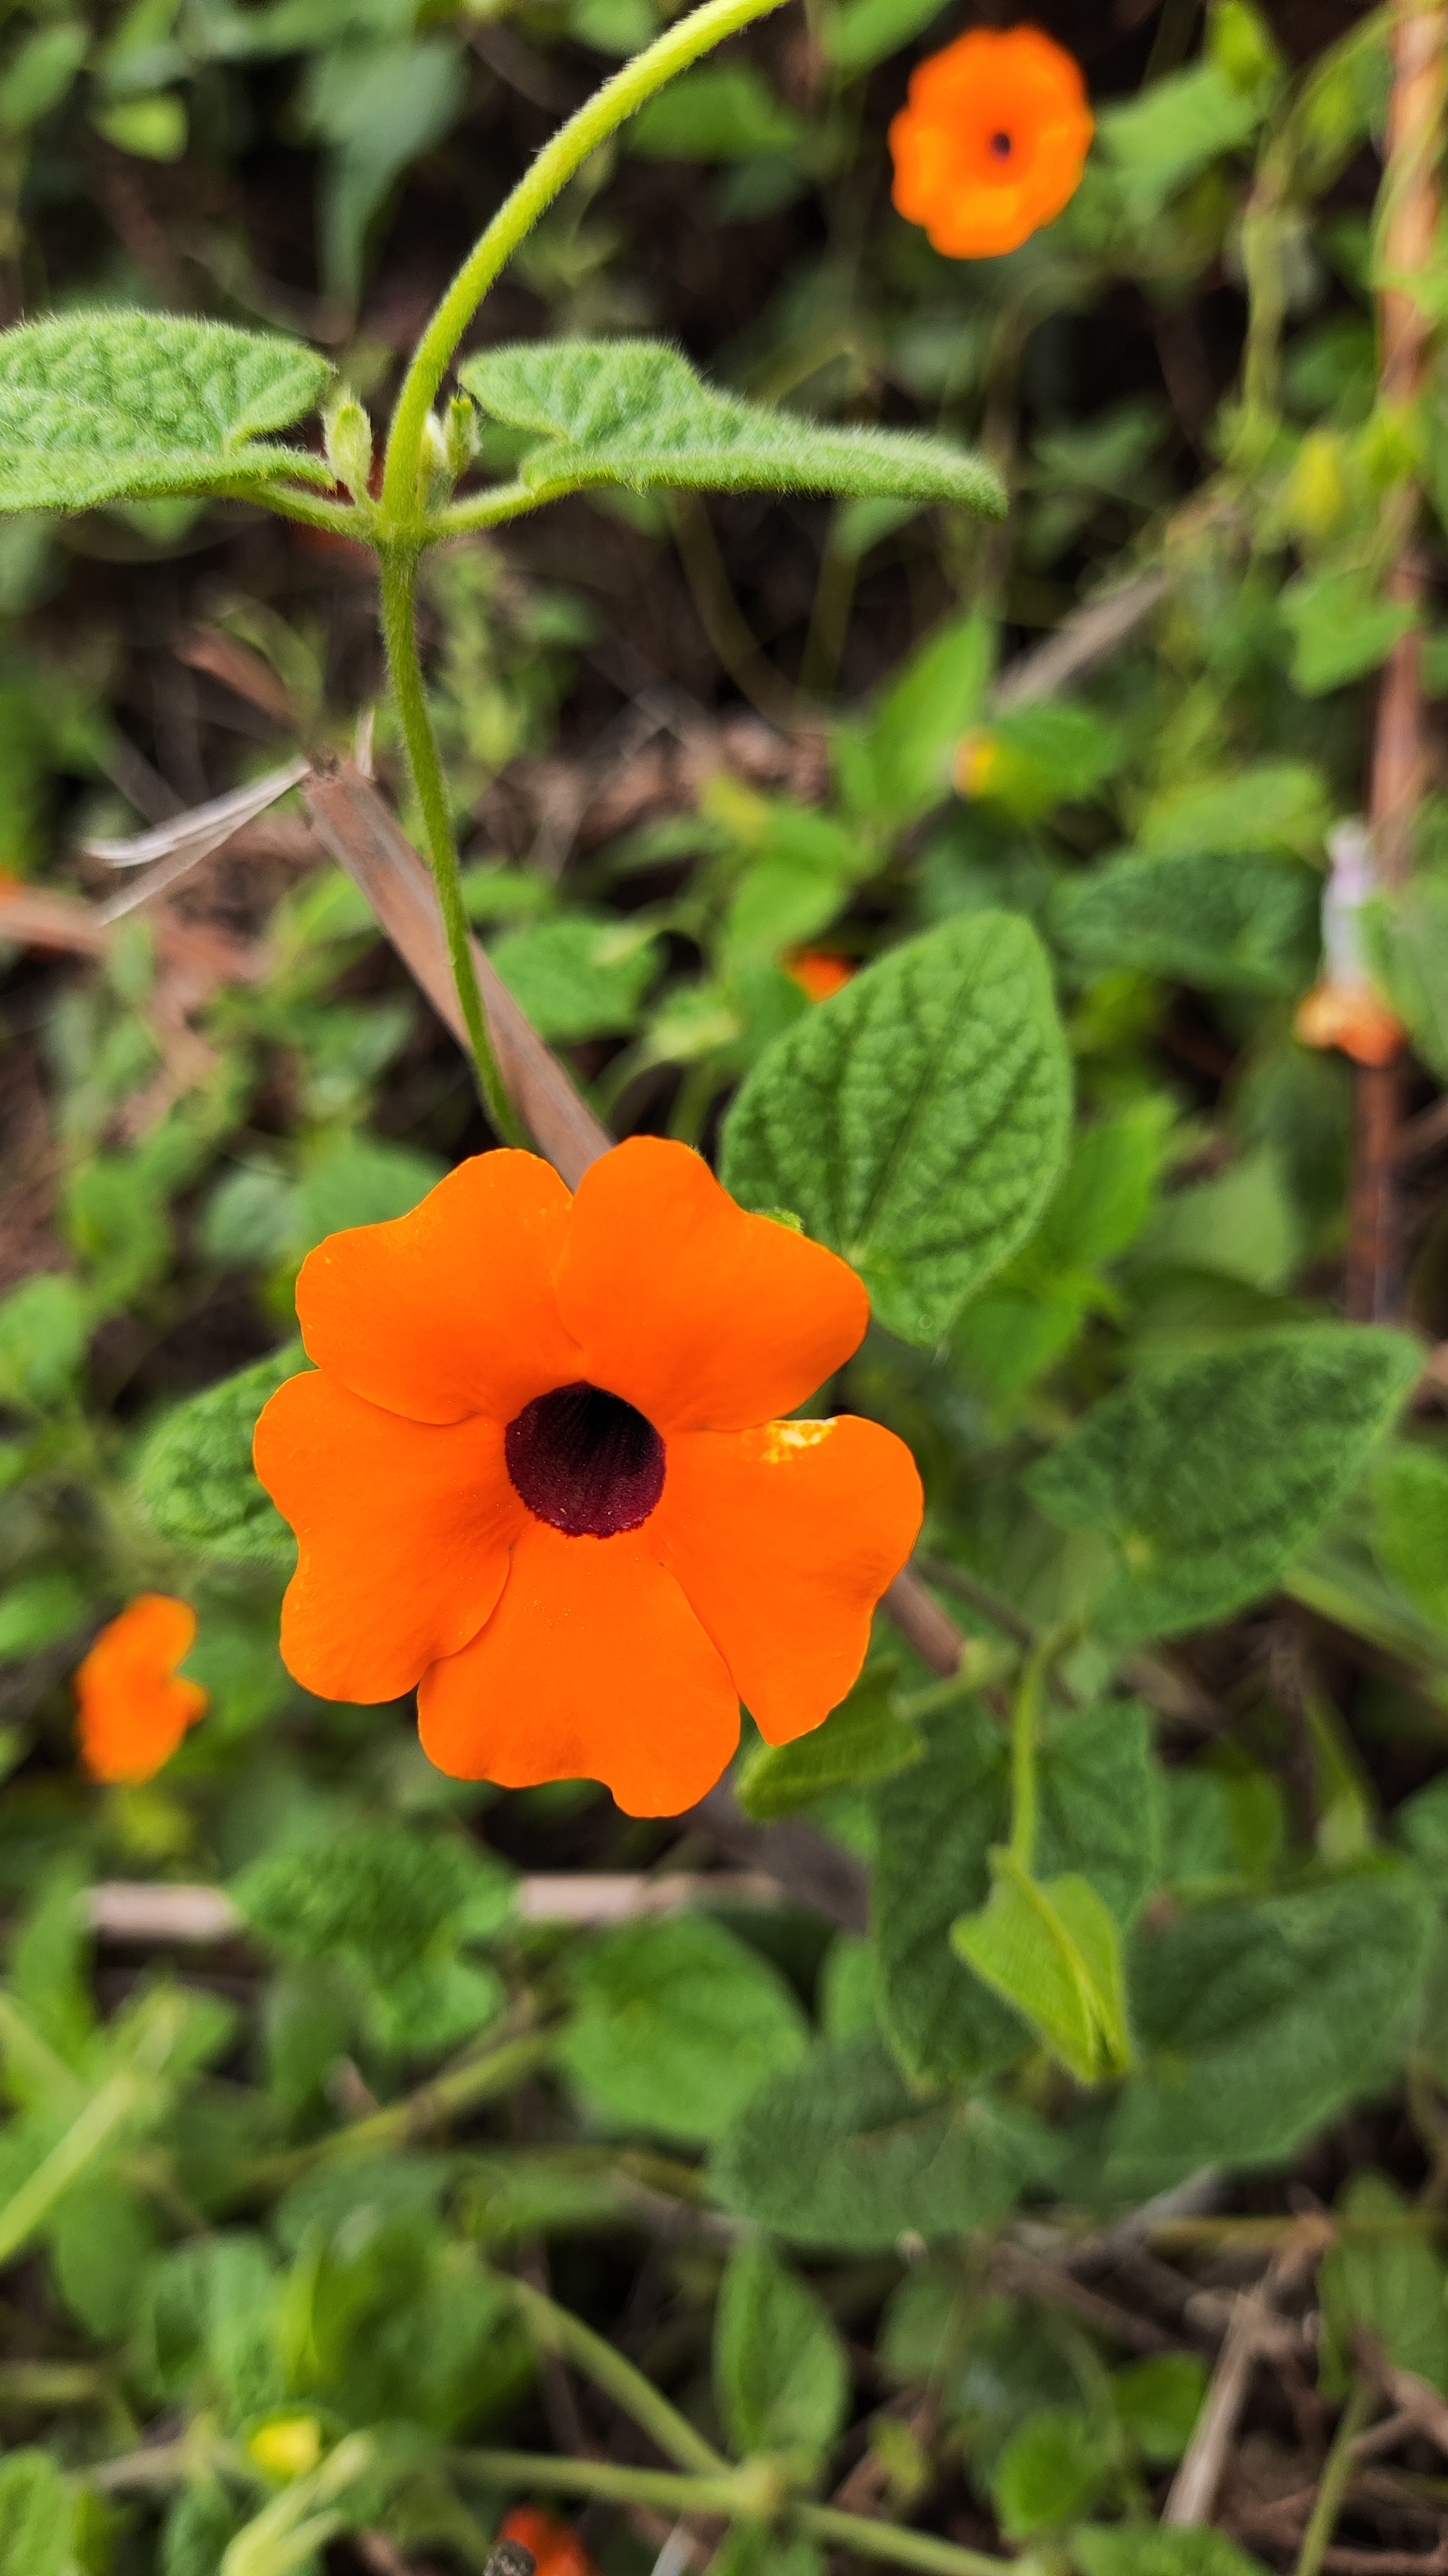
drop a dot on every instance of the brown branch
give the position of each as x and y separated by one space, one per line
1374 1262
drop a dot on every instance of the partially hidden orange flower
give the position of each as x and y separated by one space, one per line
818 972
1351 1018
134 1707
555 2545
538 1474
991 142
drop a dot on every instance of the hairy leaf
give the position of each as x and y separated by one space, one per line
1098 1817
1209 1476
918 1119
779 2367
839 2152
634 412
1051 1949
1389 2286
1257 2022
862 1740
101 406
676 2024
36 2516
1232 923
196 1481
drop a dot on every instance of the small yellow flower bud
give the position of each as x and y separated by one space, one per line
977 762
289 2447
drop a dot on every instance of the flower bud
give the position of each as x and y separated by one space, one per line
461 436
435 475
1315 497
348 435
289 2447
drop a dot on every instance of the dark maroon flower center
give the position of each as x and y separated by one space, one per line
1000 145
585 1461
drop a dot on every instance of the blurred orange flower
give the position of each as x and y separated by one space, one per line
537 1473
991 142
1351 1018
818 973
134 1707
555 2545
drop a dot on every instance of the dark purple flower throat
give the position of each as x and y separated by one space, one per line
1000 145
585 1461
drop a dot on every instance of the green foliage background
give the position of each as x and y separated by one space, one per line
266 2202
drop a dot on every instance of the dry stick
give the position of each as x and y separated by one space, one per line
365 840
1374 1281
1194 2488
139 1910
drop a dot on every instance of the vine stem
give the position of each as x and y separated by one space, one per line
399 560
1025 1729
599 116
565 2333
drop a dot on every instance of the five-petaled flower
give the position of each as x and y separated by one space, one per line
134 1707
991 142
538 1473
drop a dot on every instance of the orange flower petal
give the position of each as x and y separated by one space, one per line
1351 1018
783 1540
704 1318
818 972
133 1709
555 2545
404 1530
592 1667
991 142
449 1311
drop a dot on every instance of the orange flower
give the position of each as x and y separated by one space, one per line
817 973
1351 1018
537 1474
992 141
134 1708
555 2545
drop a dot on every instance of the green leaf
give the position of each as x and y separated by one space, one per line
634 412
583 976
150 129
1230 922
1390 2286
102 2238
1243 1222
195 1480
1406 936
1410 1523
1342 628
41 1609
1159 2549
378 105
676 2025
118 1227
780 2372
103 406
1051 2469
1207 1477
900 764
863 32
716 112
362 1180
757 2549
1257 806
1052 1950
863 1740
838 2152
1037 757
1157 2403
379 1893
40 72
1167 133
1258 2022
44 1328
1098 1817
36 2517
918 1120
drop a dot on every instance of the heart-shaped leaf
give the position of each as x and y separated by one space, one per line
634 412
107 406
